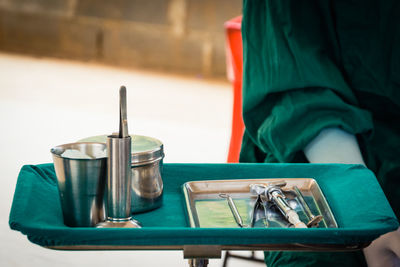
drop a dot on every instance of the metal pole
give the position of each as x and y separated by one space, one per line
198 262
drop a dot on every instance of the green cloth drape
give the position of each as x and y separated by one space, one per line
36 209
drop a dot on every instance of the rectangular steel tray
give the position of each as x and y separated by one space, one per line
206 209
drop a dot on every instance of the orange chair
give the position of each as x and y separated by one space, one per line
234 64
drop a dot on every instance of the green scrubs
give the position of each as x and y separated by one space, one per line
315 64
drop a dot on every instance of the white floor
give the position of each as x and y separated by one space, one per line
46 102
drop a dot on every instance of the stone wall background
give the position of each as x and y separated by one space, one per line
185 36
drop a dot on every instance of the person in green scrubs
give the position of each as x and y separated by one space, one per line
321 83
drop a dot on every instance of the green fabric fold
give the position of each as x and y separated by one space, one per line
36 210
293 85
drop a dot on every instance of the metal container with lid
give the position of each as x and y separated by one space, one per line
147 155
146 166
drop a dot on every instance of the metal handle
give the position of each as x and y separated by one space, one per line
123 117
313 220
277 197
233 209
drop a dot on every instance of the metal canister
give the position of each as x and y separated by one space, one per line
146 166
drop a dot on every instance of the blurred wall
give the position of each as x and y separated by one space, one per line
185 36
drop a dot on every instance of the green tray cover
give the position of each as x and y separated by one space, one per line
354 195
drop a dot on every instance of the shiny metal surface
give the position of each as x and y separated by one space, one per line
147 186
81 184
118 178
255 247
198 262
145 149
119 184
147 155
234 209
131 223
123 116
291 215
260 214
266 213
206 209
275 194
313 221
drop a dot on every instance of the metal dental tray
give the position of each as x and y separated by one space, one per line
206 209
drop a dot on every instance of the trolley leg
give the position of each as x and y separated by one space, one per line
198 262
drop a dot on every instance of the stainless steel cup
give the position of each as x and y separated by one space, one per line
81 183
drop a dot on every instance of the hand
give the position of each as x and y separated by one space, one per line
384 251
